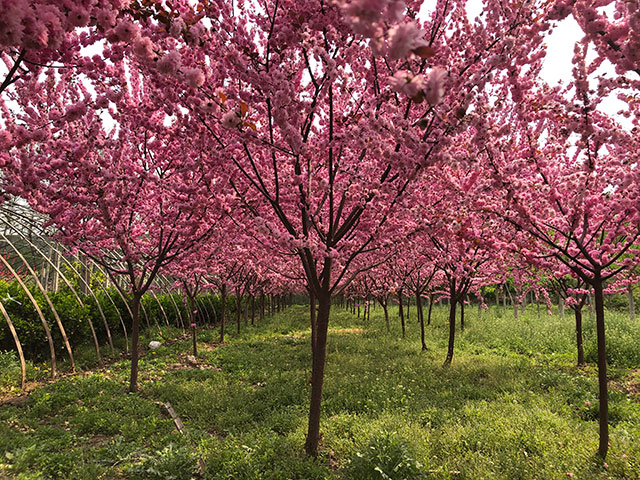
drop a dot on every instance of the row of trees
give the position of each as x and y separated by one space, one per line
313 145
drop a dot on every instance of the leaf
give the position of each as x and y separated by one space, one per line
251 125
424 51
244 108
223 97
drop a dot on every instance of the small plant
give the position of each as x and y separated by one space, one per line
387 457
170 463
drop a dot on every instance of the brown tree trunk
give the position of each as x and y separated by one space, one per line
401 314
386 315
223 295
238 309
245 314
193 334
317 373
420 319
135 338
578 314
602 368
452 330
253 310
313 317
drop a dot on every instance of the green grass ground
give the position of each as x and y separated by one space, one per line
512 406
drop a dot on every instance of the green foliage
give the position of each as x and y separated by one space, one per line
170 463
387 457
512 405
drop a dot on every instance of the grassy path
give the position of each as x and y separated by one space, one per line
511 406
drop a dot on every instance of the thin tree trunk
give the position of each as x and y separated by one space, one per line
386 315
223 295
238 309
245 314
578 315
602 368
420 319
401 314
135 338
452 330
253 310
193 334
317 373
313 315
261 306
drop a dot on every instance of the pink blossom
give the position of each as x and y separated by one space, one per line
434 86
177 27
194 77
231 119
143 49
102 102
106 18
79 17
404 38
169 63
406 83
127 31
75 112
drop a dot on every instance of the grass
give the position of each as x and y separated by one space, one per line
512 405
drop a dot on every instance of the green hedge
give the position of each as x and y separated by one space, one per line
74 316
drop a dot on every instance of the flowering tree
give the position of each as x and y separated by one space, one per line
326 115
134 198
569 179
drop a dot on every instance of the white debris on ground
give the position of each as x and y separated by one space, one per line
154 344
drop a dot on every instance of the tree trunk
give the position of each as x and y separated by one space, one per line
420 319
602 368
193 334
135 338
386 315
632 308
245 315
223 295
401 314
578 314
313 317
238 309
253 310
452 331
317 373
